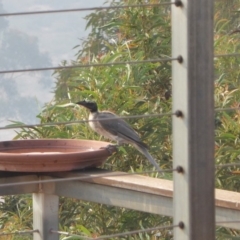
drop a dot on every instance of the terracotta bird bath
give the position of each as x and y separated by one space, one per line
52 155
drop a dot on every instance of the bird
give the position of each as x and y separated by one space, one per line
115 128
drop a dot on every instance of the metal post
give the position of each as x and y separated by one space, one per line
193 130
45 213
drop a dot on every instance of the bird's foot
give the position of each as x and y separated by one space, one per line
111 148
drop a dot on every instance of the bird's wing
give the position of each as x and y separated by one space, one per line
118 127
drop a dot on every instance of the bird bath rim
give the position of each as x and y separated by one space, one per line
52 155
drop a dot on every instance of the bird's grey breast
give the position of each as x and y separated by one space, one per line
102 122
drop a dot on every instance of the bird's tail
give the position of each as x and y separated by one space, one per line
145 152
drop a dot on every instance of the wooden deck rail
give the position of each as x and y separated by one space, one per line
136 192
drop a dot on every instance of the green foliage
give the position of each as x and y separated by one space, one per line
15 215
104 220
227 93
139 34
127 90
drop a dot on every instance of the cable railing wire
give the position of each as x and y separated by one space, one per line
117 234
179 58
130 232
225 222
86 9
227 55
89 65
68 234
227 109
111 174
83 121
236 164
22 232
49 124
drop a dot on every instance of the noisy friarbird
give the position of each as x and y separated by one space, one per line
113 127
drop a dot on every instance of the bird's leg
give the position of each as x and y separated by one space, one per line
111 148
120 143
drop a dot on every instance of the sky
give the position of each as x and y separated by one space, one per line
56 35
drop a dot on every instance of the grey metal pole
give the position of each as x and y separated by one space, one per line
193 129
45 216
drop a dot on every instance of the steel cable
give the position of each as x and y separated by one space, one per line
111 174
85 9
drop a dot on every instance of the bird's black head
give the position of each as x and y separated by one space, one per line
92 106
